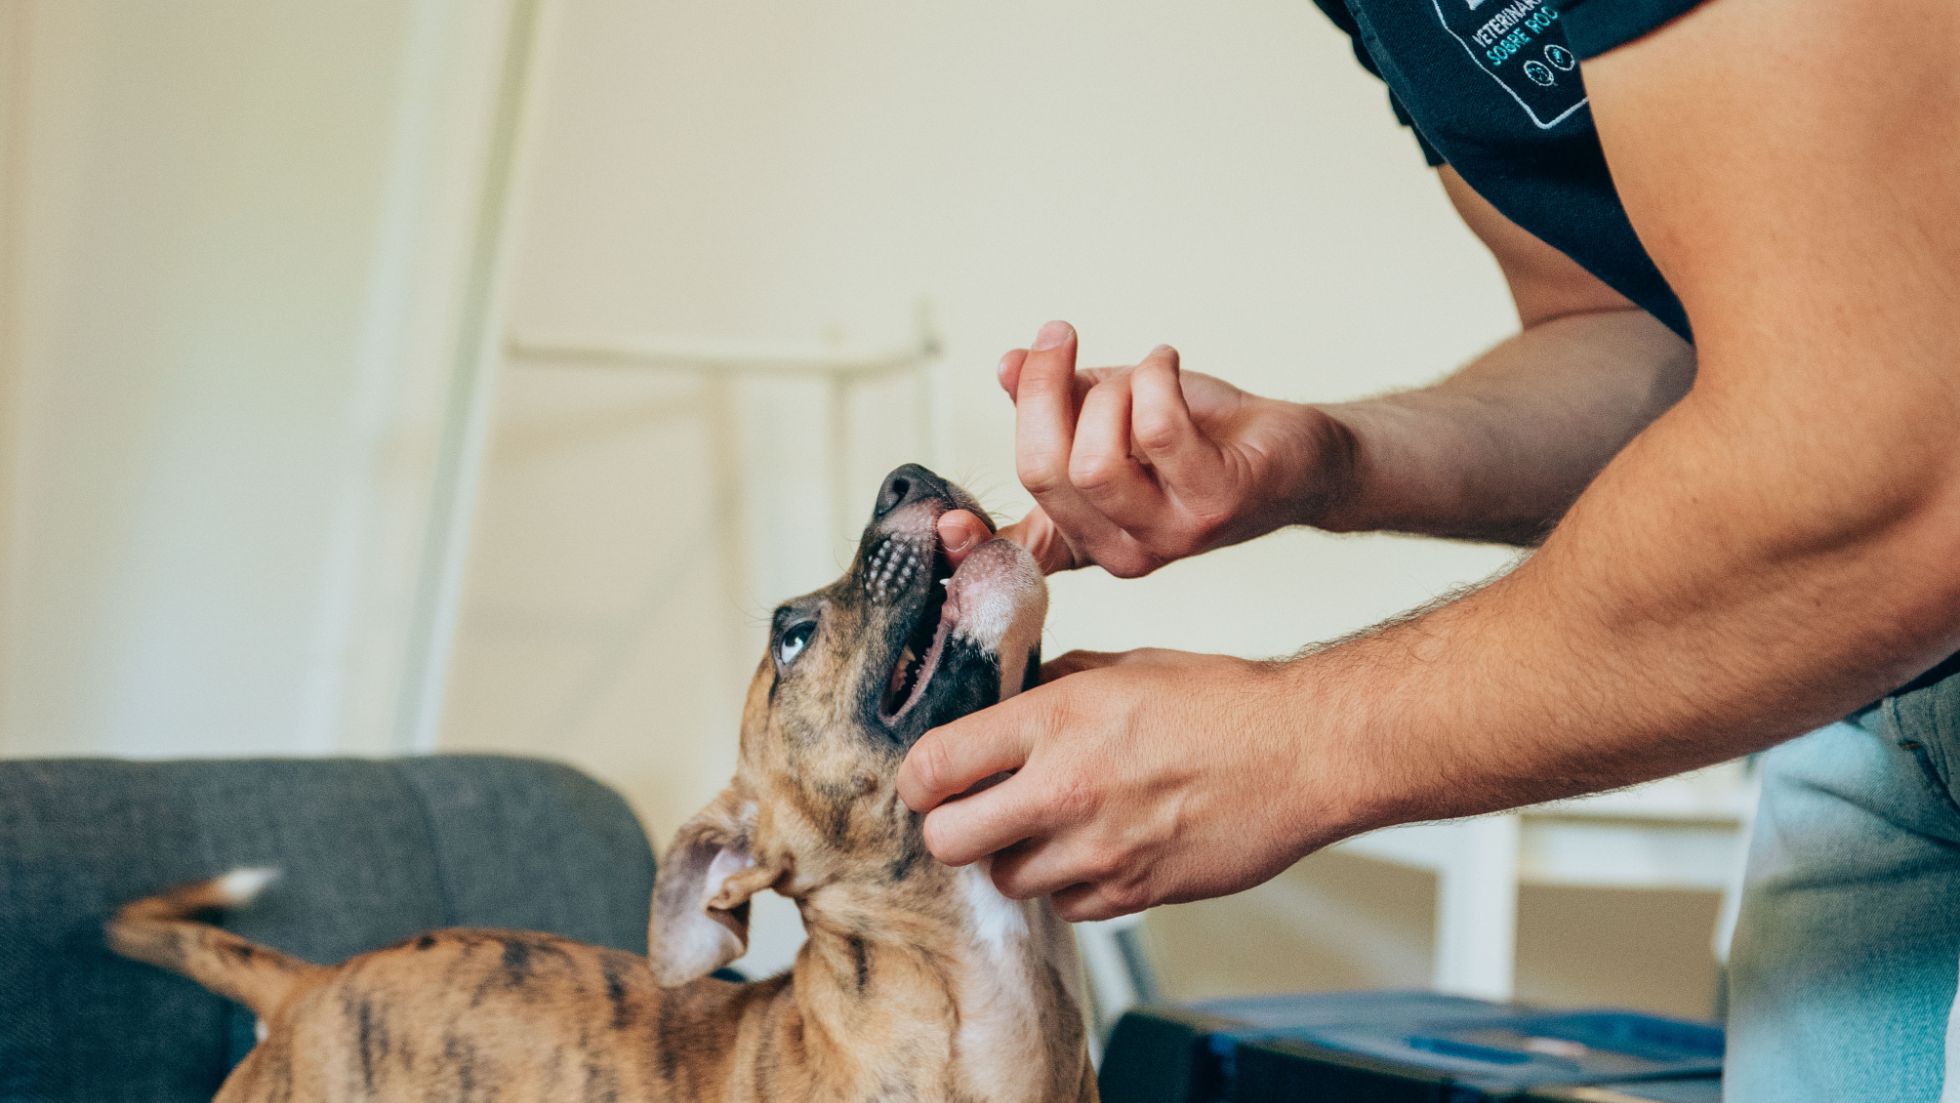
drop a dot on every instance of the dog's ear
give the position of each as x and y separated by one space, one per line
701 895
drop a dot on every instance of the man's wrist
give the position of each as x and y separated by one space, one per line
1333 490
1324 730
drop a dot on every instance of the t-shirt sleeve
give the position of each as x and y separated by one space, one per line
1337 11
1593 27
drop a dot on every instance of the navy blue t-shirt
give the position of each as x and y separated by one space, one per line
1493 89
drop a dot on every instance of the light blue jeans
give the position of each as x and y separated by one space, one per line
1847 949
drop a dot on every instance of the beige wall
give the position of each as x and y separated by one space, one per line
236 233
1223 178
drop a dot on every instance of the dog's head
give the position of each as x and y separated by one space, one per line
853 675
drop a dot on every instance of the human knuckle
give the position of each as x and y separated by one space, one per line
1015 885
1106 862
1154 428
1006 879
1211 518
1159 369
1041 472
1042 384
1193 533
1127 897
1095 911
1094 472
931 763
1073 800
1170 540
1132 564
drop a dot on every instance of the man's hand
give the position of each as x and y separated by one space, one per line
1134 467
1137 780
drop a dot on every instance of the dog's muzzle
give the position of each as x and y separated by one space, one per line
945 629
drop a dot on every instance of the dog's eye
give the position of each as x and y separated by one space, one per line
794 639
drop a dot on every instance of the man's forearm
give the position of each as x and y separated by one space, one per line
1729 581
1499 450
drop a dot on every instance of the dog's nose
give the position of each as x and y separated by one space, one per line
906 485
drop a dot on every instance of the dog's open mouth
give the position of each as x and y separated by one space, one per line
939 643
918 659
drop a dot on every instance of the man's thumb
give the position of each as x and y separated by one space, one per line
1043 540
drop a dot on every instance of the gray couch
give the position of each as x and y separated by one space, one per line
372 852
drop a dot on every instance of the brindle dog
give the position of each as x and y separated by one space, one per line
918 982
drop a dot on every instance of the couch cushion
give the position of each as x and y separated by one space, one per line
371 851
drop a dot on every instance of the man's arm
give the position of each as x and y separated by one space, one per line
1783 545
1780 547
1501 449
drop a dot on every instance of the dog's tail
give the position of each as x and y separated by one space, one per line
161 930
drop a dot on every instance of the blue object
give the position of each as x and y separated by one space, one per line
1396 1046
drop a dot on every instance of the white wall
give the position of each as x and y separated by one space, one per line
237 234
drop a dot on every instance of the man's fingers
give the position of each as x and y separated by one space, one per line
1044 405
1165 433
1101 465
1035 867
1008 372
966 830
1044 437
1086 903
960 532
948 761
1037 533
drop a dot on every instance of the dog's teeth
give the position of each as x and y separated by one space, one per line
901 673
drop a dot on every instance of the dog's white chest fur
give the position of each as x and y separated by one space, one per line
1000 1045
997 921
